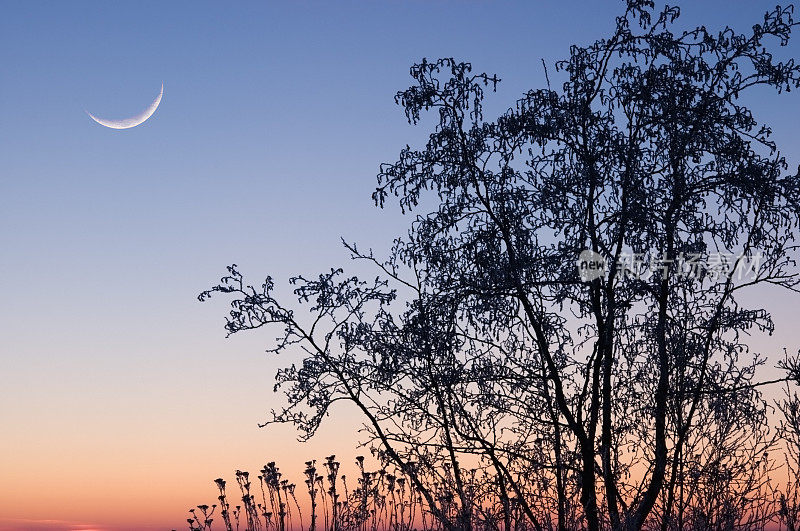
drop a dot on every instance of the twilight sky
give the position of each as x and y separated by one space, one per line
120 399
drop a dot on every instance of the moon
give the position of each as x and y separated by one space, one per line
133 121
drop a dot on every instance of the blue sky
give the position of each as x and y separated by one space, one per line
274 120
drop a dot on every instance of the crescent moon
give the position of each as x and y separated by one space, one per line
133 121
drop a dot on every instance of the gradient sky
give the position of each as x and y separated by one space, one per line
120 399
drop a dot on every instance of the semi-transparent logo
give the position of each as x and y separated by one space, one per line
591 265
641 266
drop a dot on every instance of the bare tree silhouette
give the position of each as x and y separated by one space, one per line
510 391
